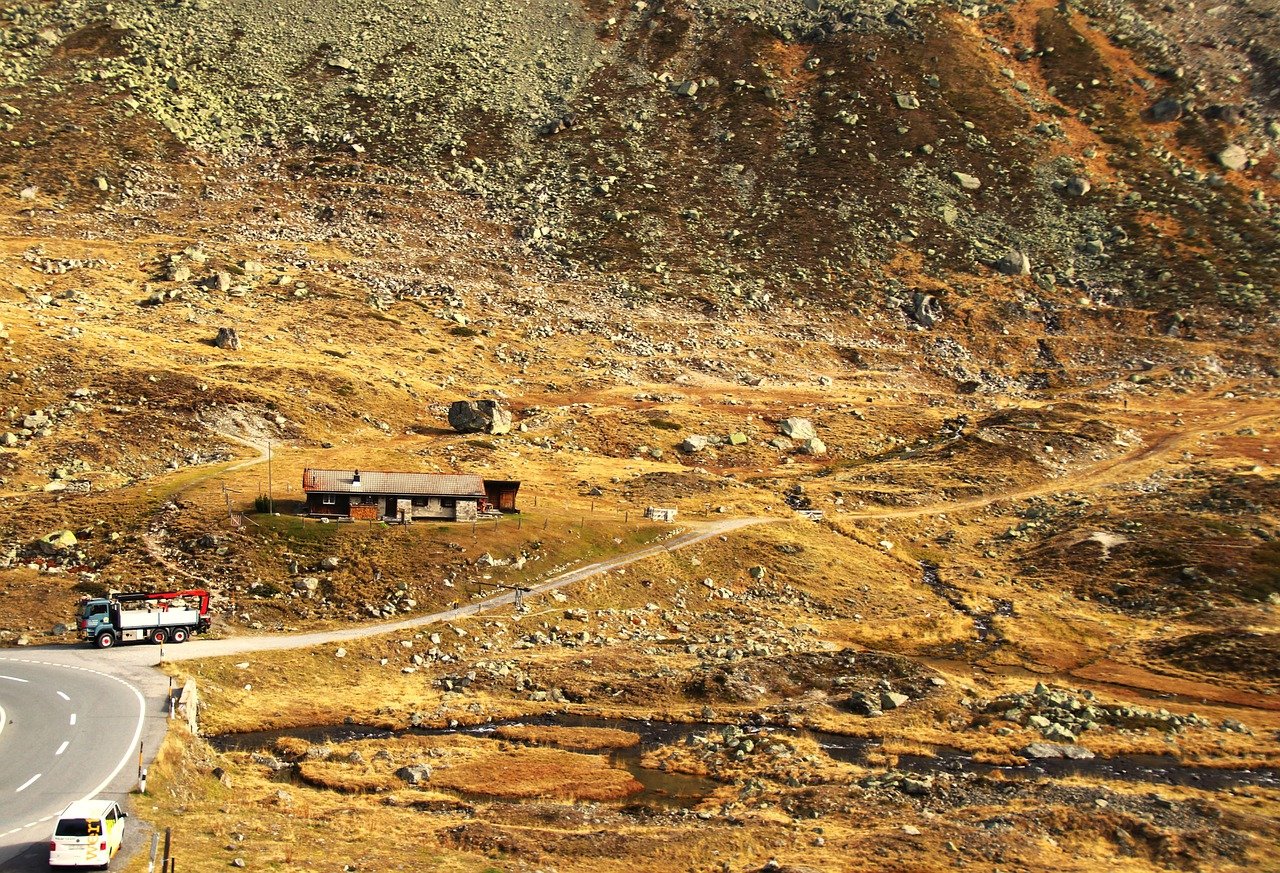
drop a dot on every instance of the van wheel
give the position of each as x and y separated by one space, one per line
179 635
105 640
159 636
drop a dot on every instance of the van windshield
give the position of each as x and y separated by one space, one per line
77 827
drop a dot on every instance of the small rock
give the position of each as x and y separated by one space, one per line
892 700
1078 186
1233 157
227 339
967 182
813 446
1165 110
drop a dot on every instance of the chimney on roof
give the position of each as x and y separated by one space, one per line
355 478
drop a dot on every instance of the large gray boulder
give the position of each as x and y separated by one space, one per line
798 428
694 443
925 309
415 774
480 416
57 542
1233 157
228 339
1167 109
1014 263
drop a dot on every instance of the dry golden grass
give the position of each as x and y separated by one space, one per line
525 774
344 777
578 739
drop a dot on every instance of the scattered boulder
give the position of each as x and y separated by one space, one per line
1078 186
1233 157
694 443
926 311
863 704
813 446
415 774
1014 263
1050 750
967 182
798 429
57 542
227 339
892 700
329 563
480 416
907 101
1165 110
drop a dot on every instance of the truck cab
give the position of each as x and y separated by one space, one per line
92 613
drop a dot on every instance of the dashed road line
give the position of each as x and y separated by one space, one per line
62 748
73 719
15 679
129 750
25 785
64 697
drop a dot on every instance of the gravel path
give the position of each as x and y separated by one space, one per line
243 645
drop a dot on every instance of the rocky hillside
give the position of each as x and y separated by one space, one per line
730 152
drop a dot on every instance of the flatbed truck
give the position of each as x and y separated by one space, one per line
153 616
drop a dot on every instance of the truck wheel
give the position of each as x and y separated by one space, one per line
159 636
179 635
105 640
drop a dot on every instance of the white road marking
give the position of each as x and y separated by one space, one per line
27 784
73 719
62 748
14 679
63 696
128 752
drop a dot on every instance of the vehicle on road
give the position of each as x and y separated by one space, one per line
88 834
155 616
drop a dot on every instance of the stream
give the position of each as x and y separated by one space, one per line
663 789
982 625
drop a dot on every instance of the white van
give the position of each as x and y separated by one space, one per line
88 834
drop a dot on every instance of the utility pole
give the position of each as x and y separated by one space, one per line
270 507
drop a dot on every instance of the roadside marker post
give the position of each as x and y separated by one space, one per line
155 844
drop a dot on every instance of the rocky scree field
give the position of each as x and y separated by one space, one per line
990 286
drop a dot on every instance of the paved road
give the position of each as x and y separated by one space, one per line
71 732
73 729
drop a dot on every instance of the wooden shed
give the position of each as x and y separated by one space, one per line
501 494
